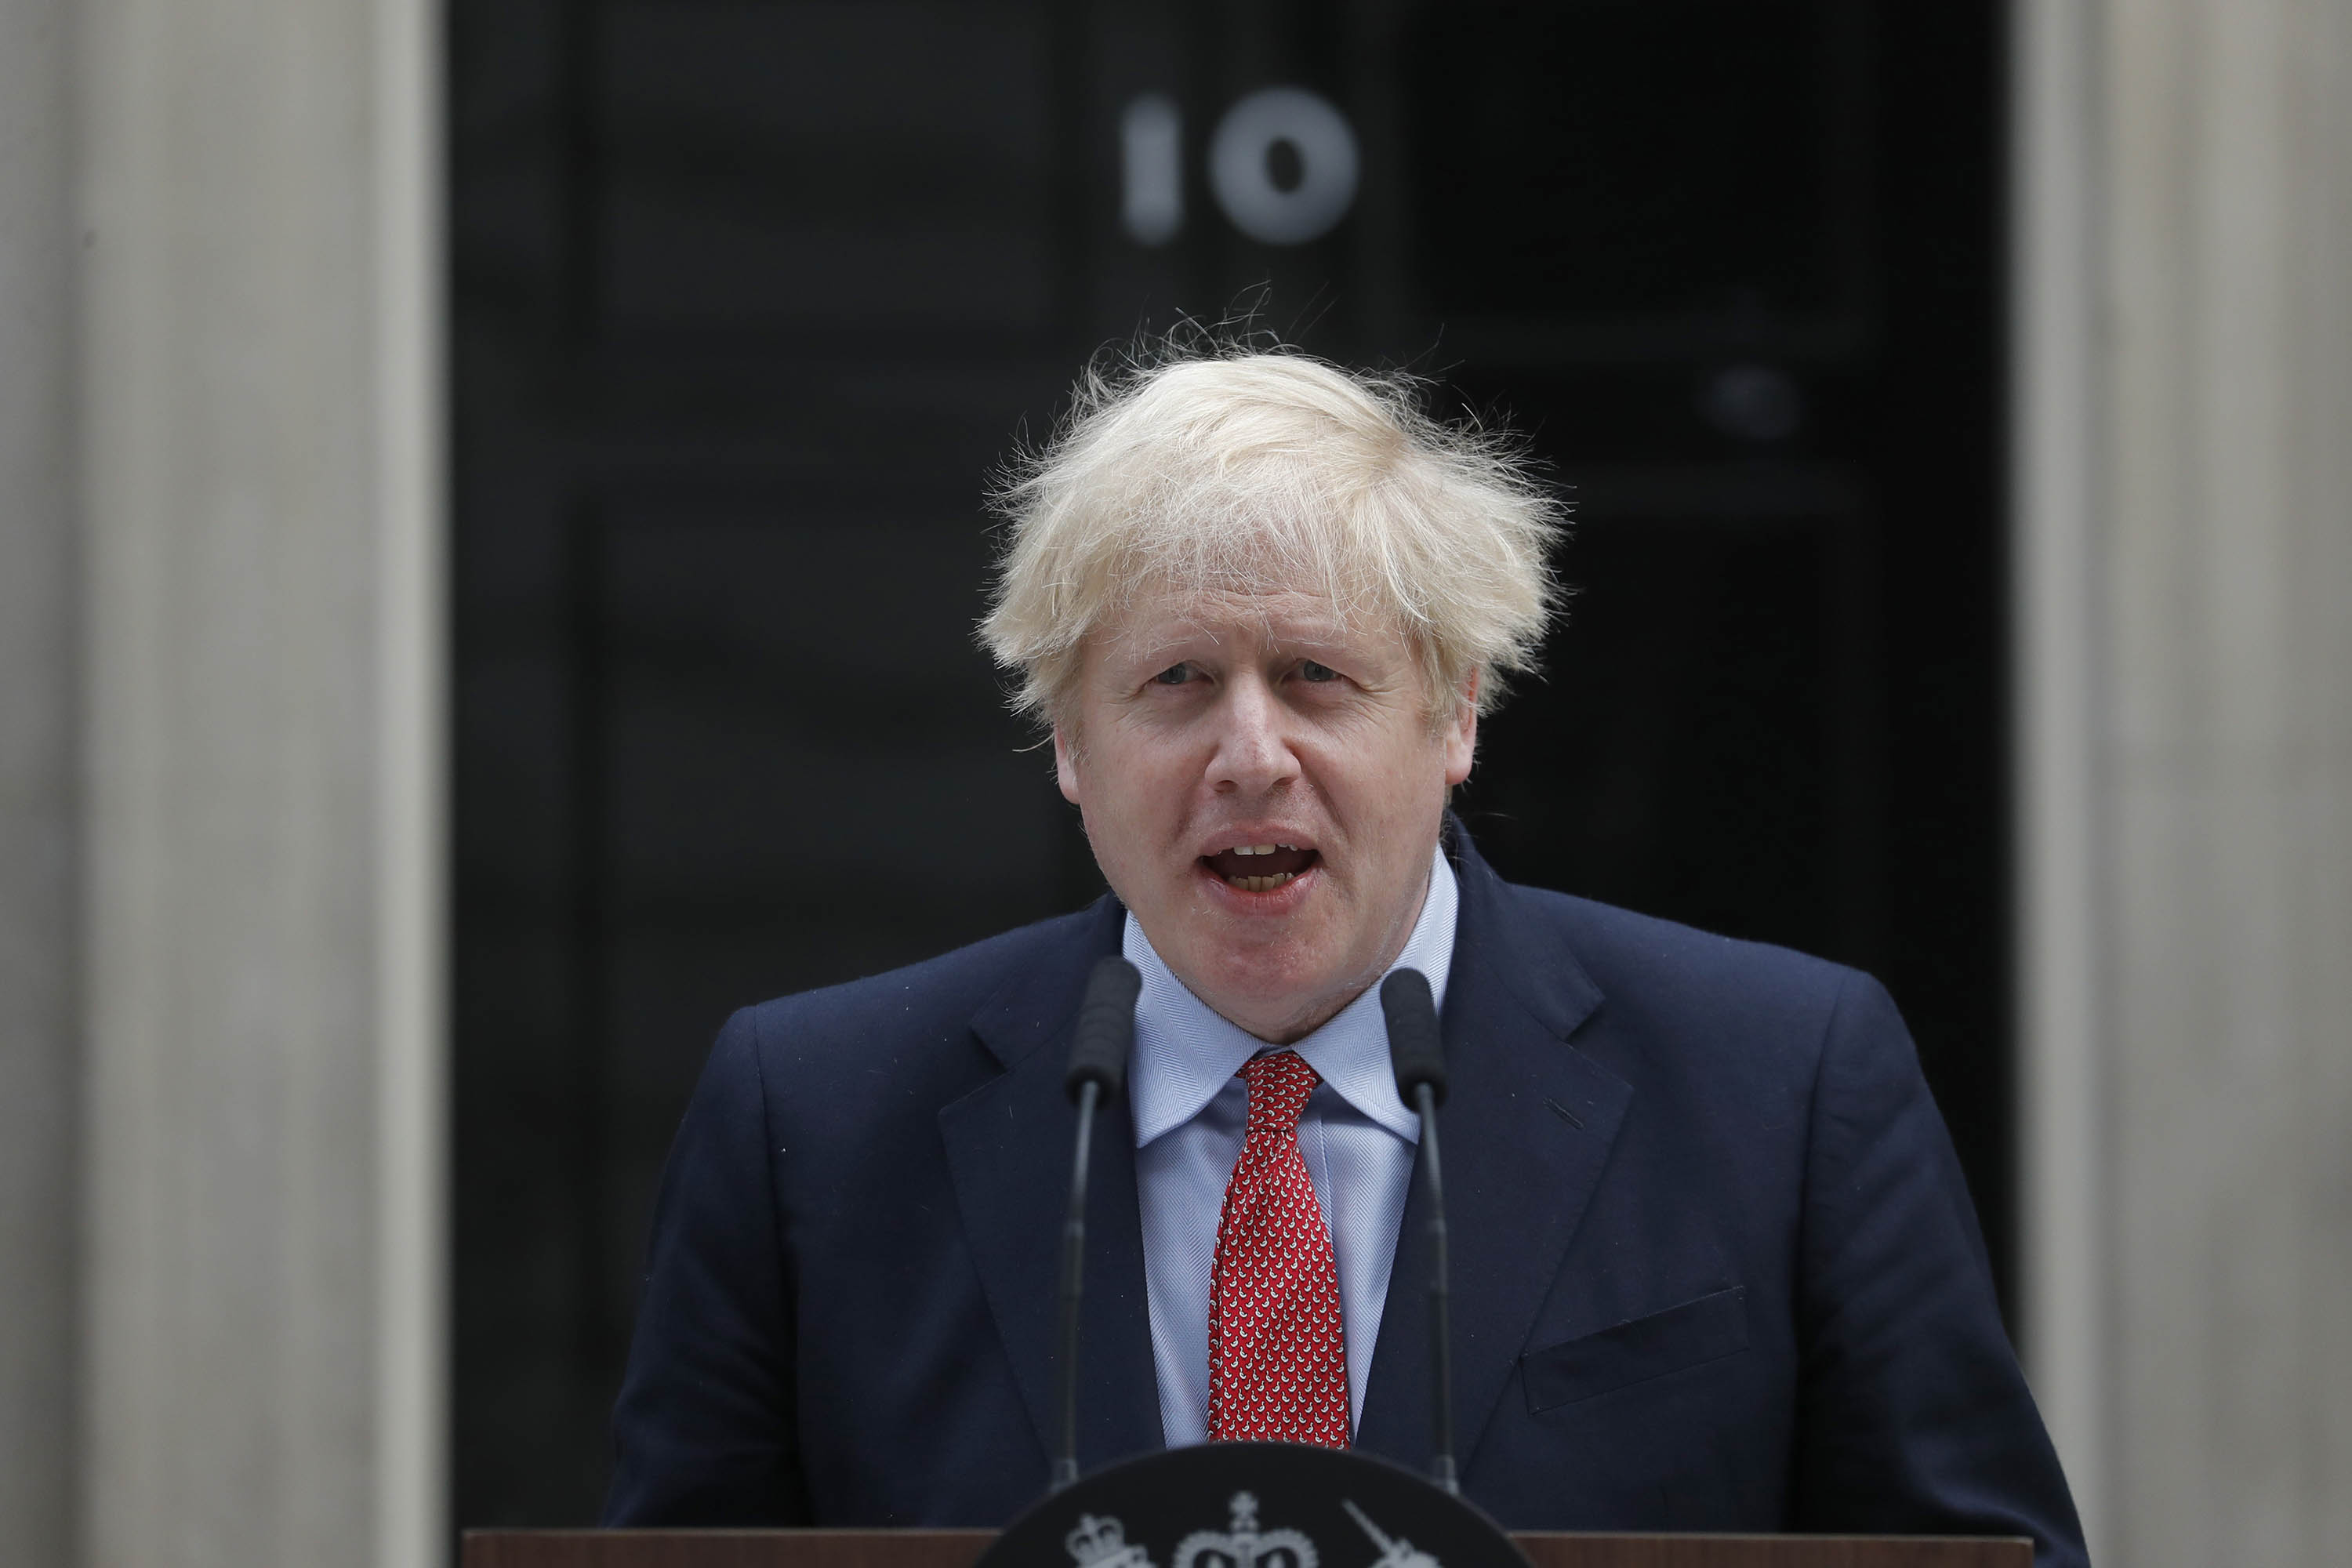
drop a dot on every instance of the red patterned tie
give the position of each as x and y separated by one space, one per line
1277 1358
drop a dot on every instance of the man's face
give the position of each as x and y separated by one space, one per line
1209 726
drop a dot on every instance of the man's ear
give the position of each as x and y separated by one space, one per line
1065 763
1461 738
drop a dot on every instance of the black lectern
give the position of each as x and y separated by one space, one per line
961 1549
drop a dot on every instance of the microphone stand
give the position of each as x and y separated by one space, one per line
1418 1055
1441 1342
1106 1033
1074 1269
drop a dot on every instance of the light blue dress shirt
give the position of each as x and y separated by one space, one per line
1190 1112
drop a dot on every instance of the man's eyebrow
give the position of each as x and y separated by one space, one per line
1147 642
1325 637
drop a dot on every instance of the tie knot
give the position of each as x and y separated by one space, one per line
1279 1084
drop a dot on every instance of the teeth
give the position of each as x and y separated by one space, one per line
1263 884
1262 850
1258 848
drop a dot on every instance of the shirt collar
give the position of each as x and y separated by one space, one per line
1185 1052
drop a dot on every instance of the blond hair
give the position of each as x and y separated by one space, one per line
1245 470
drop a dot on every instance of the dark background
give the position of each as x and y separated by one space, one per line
750 296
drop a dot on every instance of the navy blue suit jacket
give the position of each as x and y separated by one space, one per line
1714 1266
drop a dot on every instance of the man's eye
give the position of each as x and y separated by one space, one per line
1310 670
1174 675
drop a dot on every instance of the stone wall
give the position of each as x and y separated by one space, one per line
2186 696
258 496
39 894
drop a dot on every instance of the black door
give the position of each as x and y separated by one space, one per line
752 294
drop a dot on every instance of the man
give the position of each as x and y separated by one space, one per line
1714 1264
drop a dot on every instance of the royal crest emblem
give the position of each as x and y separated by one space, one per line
1101 1542
1244 1545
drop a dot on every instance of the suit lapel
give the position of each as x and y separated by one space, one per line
1525 1134
1008 1147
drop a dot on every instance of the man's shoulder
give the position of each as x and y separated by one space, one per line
1661 982
1731 1040
1625 945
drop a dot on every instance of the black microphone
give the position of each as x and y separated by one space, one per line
1419 1058
1098 1070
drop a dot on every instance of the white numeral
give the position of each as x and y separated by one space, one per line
1152 166
1151 158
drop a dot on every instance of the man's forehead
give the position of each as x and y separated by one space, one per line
1277 613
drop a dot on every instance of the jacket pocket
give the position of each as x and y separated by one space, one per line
1705 1329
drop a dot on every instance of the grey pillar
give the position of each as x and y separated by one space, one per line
2185 604
37 1063
261 641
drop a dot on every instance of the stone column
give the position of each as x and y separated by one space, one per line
37 900
260 493
2185 511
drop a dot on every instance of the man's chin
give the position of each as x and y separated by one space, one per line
1270 988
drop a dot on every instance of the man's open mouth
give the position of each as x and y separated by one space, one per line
1260 867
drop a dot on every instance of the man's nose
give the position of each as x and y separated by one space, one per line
1254 754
